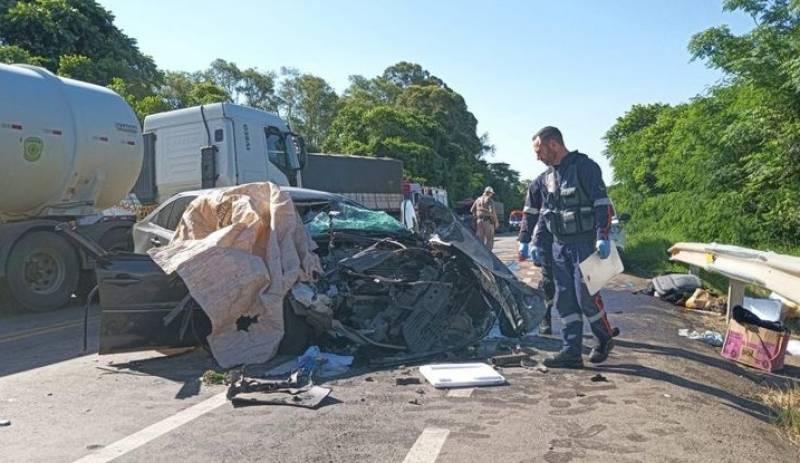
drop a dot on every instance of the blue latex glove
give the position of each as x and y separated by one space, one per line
524 251
536 256
603 248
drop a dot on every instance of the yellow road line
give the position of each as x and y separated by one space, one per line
43 330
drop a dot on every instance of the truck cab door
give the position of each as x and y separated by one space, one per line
250 149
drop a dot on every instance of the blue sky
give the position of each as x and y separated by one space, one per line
520 65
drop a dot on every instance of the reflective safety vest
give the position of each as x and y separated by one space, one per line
569 212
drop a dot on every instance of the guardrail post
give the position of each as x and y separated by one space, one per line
735 295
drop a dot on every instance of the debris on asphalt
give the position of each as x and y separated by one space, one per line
330 364
297 390
420 391
675 288
415 402
449 375
369 379
712 338
4 423
510 360
407 381
703 299
598 378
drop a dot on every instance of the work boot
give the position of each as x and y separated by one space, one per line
600 351
564 359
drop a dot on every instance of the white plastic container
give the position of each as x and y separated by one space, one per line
67 148
448 375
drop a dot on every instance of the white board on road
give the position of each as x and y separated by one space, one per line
446 375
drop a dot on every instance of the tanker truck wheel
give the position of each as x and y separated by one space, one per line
42 271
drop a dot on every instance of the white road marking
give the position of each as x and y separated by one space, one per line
427 447
462 392
138 439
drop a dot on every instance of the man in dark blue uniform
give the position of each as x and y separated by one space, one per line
577 213
542 256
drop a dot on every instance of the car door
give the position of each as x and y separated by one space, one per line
136 295
135 298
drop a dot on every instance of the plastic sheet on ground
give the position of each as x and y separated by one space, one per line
712 338
329 364
240 250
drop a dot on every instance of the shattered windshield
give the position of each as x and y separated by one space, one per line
348 217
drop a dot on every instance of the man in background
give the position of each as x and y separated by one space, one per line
483 211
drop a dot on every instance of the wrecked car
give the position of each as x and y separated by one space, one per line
380 291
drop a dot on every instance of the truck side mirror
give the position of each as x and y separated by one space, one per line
624 217
302 155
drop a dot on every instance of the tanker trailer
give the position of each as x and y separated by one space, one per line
68 150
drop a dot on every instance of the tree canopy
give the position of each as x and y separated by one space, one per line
724 166
409 114
405 113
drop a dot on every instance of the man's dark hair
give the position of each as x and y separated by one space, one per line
548 133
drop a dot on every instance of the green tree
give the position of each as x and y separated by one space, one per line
51 29
78 67
407 113
207 93
12 54
724 166
310 105
176 89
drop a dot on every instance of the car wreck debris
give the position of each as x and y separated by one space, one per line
253 269
297 390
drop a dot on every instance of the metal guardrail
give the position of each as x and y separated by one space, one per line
776 272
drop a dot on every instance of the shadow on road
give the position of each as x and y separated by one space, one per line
186 368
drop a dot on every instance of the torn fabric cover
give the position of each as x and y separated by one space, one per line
240 250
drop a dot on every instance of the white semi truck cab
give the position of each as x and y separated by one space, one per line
216 145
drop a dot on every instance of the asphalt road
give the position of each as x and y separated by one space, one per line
664 399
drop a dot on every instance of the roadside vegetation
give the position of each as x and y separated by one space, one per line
785 403
725 166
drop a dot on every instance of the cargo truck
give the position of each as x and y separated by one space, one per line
376 183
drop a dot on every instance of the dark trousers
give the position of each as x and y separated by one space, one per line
547 284
573 301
